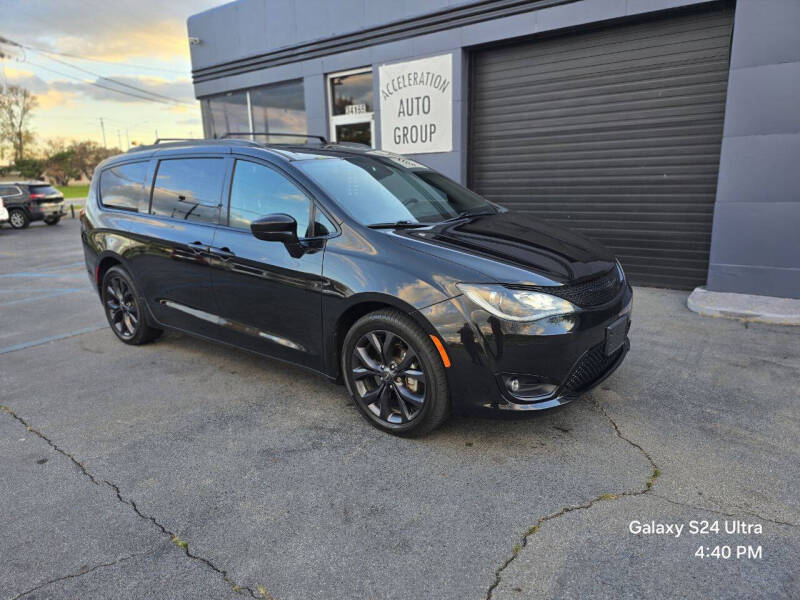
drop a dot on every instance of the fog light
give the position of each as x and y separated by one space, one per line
528 388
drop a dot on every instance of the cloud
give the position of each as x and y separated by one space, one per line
178 89
47 94
54 98
26 79
161 40
59 91
109 31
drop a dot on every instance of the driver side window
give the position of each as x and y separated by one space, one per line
258 191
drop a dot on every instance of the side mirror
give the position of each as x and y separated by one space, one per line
277 227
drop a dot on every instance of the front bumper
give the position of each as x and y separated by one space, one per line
567 353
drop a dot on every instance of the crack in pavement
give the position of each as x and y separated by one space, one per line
740 512
83 571
129 502
568 509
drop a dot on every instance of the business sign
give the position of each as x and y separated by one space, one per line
417 105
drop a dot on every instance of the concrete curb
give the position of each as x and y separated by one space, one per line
745 307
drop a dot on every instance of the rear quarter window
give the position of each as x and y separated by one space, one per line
8 191
123 187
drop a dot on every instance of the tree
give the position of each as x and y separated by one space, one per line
30 168
60 167
16 107
65 161
88 155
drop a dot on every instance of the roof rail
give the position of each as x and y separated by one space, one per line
162 140
162 143
230 134
354 145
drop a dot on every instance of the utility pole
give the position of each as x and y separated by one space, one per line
119 140
156 133
103 127
127 140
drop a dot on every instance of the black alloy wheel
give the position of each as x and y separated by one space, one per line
394 373
123 314
124 311
389 378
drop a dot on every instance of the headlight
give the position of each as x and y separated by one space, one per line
516 305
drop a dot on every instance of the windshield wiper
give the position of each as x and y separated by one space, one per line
397 225
470 213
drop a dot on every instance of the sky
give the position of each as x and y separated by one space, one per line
141 43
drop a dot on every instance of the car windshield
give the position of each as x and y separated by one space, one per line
376 192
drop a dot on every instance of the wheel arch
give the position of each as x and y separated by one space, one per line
357 307
105 261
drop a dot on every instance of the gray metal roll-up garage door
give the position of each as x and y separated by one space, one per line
614 133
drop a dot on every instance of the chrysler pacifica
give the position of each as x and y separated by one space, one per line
419 295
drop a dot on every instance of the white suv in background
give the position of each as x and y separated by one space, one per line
3 212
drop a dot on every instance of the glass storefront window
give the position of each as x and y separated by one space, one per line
276 108
279 108
226 113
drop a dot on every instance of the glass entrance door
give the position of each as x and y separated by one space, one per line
351 106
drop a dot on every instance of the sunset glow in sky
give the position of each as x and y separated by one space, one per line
141 43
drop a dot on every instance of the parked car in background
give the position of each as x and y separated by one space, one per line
32 201
365 266
3 212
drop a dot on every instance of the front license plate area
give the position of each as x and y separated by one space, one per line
615 335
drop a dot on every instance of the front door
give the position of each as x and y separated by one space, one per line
173 268
351 106
269 295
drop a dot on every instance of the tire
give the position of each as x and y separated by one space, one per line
52 220
125 310
18 219
372 372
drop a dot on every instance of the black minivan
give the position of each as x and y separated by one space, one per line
419 295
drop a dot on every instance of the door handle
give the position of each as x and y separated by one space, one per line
223 252
197 248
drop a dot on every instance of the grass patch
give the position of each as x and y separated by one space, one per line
653 477
74 191
179 542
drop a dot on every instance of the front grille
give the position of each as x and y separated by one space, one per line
591 367
589 293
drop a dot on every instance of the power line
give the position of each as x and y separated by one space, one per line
99 76
94 83
108 62
121 83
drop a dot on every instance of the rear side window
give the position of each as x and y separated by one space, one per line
123 186
189 189
7 191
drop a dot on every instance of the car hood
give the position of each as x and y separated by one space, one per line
514 248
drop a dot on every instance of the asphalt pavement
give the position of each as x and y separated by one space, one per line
187 469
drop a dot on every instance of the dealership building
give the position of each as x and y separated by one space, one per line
667 129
